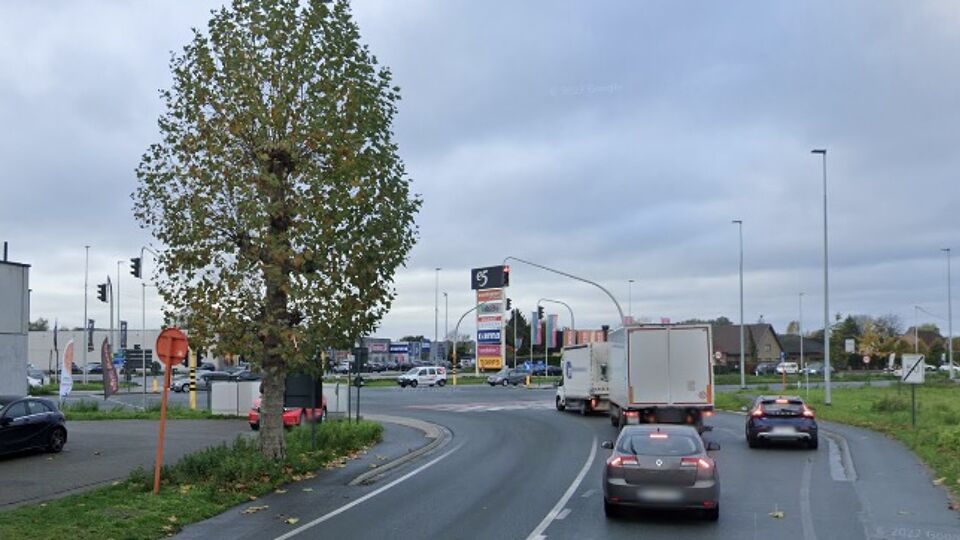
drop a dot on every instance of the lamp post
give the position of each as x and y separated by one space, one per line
800 331
86 279
743 373
436 311
827 394
916 329
949 318
630 299
446 321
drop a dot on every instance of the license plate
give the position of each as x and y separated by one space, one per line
659 495
784 430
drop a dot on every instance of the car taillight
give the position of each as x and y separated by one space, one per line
618 460
632 414
700 463
659 436
757 412
808 412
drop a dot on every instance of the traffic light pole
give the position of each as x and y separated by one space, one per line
571 276
456 336
137 271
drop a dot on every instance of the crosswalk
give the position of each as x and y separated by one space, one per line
486 407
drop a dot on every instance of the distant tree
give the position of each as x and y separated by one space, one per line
889 325
793 327
413 338
39 325
722 321
719 321
929 327
522 331
276 191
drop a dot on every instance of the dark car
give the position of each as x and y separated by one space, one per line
508 376
661 467
781 419
765 368
182 384
549 371
30 423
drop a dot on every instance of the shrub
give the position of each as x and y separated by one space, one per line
890 404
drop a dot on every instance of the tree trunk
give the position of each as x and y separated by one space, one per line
271 441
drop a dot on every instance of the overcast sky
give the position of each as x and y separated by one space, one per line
615 140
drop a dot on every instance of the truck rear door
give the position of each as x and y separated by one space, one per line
648 366
689 365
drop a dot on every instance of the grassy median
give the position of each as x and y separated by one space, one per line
90 410
199 486
887 409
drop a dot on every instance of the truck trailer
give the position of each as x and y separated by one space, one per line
584 384
661 373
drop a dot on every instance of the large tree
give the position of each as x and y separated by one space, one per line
276 192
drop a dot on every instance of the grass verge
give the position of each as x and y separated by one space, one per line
887 409
734 378
199 486
90 410
54 389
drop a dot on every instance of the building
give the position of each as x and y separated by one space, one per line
14 325
582 336
927 338
42 356
812 348
760 342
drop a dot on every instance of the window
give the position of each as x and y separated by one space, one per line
767 347
37 407
431 371
16 410
643 444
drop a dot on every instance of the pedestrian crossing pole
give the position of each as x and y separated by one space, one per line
192 364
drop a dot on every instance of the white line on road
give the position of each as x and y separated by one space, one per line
588 493
552 514
563 514
370 495
806 516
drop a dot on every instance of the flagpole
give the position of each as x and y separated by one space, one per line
86 280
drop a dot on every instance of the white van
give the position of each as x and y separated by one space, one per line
790 368
428 375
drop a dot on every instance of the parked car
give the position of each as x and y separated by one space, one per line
789 368
182 384
342 367
946 367
428 375
661 466
781 419
292 416
95 368
38 376
550 371
508 376
816 368
765 368
31 423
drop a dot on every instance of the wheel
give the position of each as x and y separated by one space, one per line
441 382
413 384
491 385
505 382
610 510
752 442
58 437
255 427
712 514
402 384
813 443
614 416
560 405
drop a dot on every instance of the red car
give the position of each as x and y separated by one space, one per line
292 416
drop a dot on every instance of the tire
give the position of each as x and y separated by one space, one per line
58 438
505 382
413 383
712 514
584 408
611 510
255 427
752 442
813 443
614 416
560 405
441 382
491 385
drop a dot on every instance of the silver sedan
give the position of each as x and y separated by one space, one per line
661 466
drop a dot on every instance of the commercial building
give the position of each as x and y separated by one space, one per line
14 325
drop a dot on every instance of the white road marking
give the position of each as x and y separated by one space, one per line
552 514
841 462
588 493
563 514
370 495
806 516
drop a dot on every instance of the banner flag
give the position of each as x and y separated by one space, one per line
552 330
90 335
111 383
66 371
534 329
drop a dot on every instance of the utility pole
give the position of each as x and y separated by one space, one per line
86 280
949 318
436 312
743 373
827 393
446 321
800 331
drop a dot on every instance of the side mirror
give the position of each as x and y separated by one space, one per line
712 446
607 444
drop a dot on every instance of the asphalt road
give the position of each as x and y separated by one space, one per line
512 458
99 452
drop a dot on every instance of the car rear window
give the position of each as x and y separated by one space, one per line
660 444
782 407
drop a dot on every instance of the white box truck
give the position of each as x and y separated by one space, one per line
661 374
584 384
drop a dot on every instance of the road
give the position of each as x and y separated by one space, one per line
512 459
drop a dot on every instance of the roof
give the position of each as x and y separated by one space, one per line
790 343
726 338
928 337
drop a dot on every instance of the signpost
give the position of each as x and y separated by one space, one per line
171 349
489 282
913 370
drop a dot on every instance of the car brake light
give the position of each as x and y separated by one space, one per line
782 401
658 436
620 461
632 414
808 412
757 412
699 463
708 413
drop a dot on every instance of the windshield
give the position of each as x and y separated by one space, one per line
413 371
660 444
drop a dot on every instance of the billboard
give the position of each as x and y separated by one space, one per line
400 348
378 346
492 323
488 349
489 283
491 277
490 362
489 295
491 308
489 336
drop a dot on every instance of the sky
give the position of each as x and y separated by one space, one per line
613 140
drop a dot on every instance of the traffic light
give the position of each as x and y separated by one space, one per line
102 292
135 267
539 313
509 304
506 276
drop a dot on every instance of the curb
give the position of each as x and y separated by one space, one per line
440 435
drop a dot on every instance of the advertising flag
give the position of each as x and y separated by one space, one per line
66 370
111 384
552 330
89 335
534 329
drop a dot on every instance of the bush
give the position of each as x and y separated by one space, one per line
890 404
83 406
949 438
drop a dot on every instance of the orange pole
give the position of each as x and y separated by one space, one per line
163 427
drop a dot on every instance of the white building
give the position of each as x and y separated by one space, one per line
14 325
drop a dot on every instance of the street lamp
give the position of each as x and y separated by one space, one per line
436 311
630 298
800 331
86 280
827 399
949 317
743 373
446 321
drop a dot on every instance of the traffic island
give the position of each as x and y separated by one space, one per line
199 486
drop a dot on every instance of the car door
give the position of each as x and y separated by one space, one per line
14 427
431 375
38 422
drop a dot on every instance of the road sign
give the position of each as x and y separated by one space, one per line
849 345
913 369
491 277
718 355
866 359
172 346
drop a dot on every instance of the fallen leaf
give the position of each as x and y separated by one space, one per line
115 483
373 465
939 481
292 521
172 519
185 488
778 514
381 458
253 497
167 528
50 458
43 504
903 513
253 509
280 491
309 475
